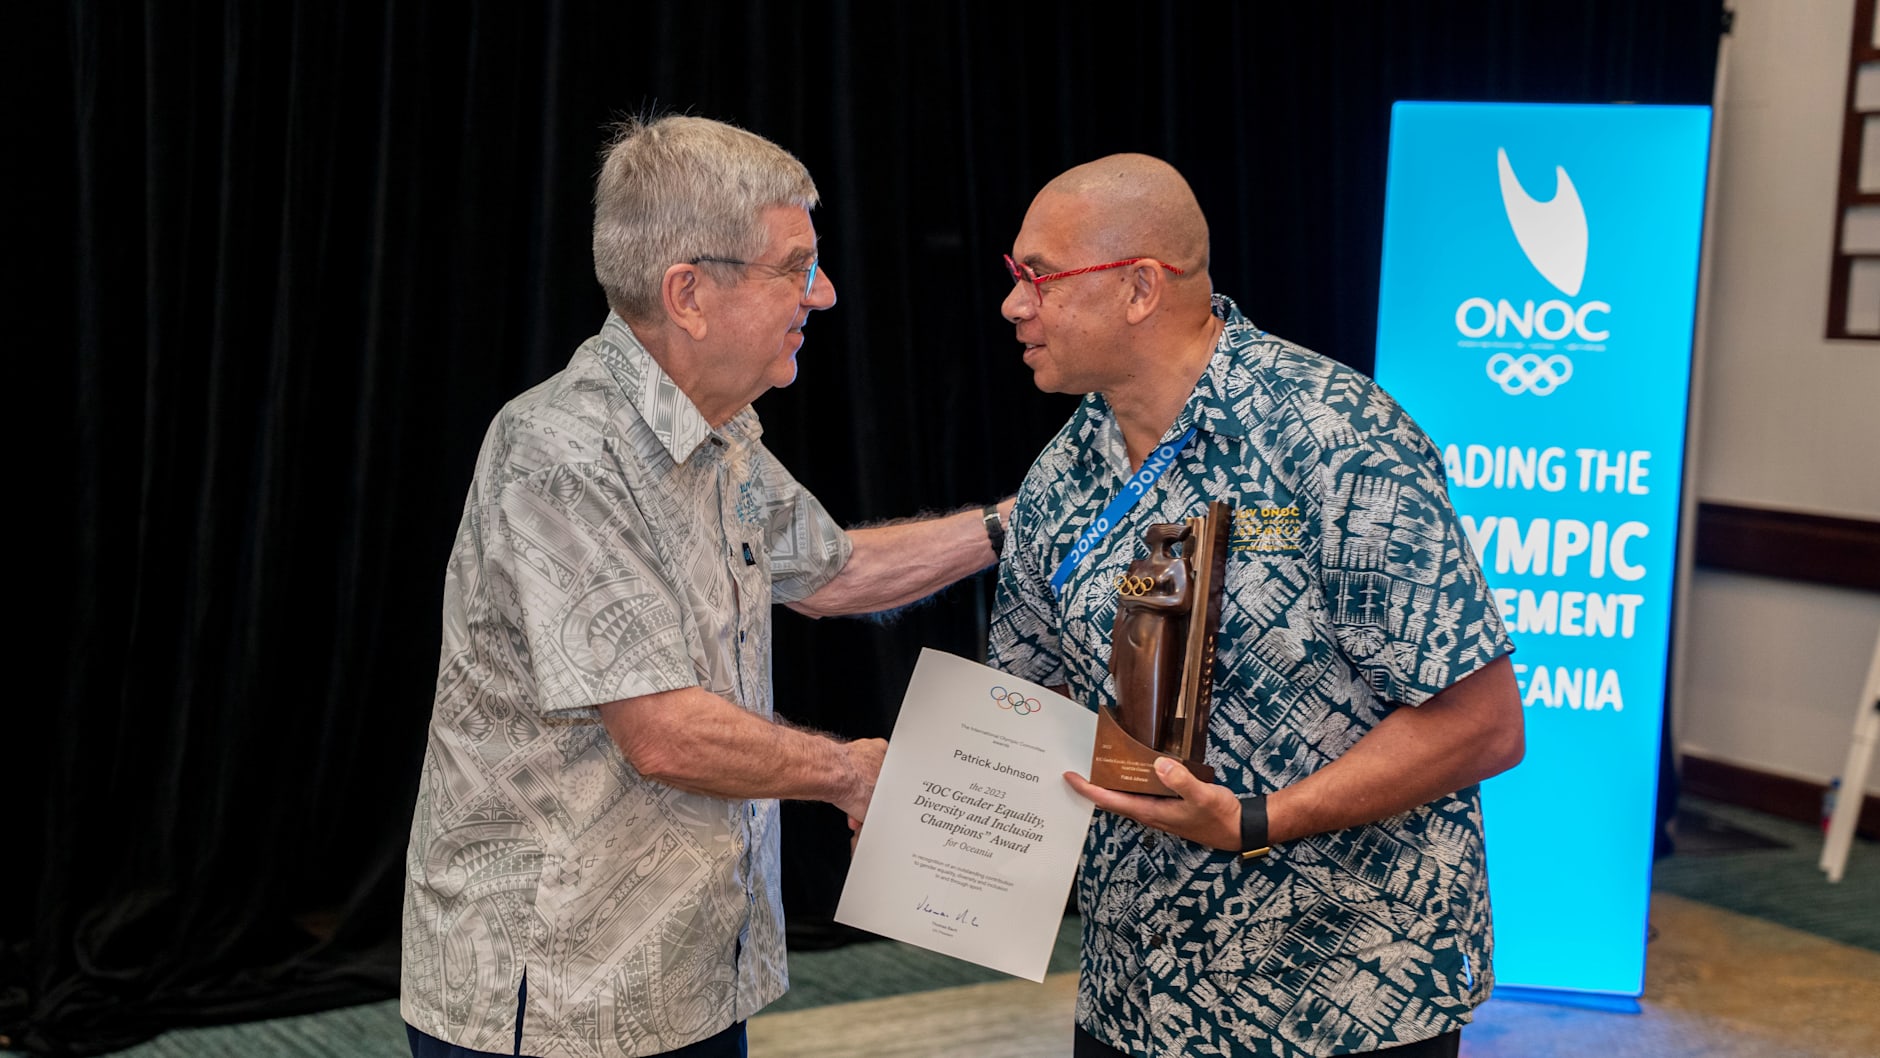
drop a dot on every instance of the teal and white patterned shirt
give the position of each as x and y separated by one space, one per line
613 545
1351 590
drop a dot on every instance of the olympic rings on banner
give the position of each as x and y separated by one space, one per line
1016 701
1529 373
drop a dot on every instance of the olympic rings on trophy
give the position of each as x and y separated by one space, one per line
1131 585
1016 701
1529 373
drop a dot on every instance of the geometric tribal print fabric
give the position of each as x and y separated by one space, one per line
612 545
1350 587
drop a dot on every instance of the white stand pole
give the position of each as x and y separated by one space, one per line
1680 697
1854 774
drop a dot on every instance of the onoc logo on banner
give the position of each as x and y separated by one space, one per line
1553 235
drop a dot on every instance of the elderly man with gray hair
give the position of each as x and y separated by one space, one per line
593 868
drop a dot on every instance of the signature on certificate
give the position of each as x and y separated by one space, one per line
964 915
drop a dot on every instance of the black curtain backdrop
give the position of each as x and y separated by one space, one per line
288 259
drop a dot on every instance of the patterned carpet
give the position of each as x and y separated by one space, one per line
1721 985
1799 976
1780 884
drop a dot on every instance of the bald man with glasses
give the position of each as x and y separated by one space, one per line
1327 894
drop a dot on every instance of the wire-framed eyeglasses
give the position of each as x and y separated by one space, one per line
1022 273
809 270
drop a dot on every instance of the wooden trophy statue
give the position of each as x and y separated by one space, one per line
1168 610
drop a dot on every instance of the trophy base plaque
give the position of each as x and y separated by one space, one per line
1119 762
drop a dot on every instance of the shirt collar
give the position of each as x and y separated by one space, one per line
664 407
1209 407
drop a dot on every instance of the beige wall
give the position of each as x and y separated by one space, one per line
1786 418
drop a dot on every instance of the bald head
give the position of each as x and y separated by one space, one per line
1096 317
1133 205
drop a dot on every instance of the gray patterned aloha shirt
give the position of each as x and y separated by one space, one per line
612 545
1350 587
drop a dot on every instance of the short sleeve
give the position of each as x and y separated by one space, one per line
580 584
807 546
1408 602
1023 639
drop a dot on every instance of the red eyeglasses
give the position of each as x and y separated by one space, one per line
1023 272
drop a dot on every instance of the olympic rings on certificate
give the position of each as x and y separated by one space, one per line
1134 586
1016 701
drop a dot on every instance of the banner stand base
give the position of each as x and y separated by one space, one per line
1560 997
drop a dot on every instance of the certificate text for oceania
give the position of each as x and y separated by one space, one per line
996 765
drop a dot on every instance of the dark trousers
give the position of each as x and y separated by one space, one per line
1448 1045
727 1044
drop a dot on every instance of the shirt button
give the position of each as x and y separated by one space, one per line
1148 842
1158 940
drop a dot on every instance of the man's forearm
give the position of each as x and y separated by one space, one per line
1469 732
1412 757
893 565
696 741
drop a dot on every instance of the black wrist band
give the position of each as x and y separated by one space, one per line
1253 827
995 527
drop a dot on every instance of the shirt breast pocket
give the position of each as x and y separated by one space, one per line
750 568
750 557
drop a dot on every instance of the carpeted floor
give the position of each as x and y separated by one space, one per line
1780 884
887 968
1755 954
1720 985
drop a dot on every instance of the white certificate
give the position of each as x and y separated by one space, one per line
972 838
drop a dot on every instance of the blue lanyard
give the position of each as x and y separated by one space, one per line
1134 490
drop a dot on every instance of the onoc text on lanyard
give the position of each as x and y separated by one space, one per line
1134 490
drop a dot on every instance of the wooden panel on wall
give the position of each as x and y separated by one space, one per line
1778 795
1816 548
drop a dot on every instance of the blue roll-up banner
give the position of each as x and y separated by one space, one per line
1538 291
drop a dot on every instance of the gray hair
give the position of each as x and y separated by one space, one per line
680 187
